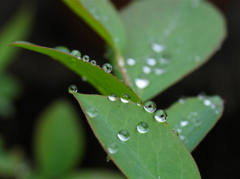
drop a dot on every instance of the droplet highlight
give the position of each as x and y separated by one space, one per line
142 127
92 111
160 115
107 67
72 89
123 135
125 98
112 97
150 106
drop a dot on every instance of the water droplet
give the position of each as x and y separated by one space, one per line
150 106
201 96
107 67
123 135
141 82
151 61
84 78
131 61
142 127
62 49
159 71
112 97
207 102
72 89
93 62
182 137
76 53
175 132
184 123
125 98
92 111
157 47
160 115
159 177
112 148
139 103
146 69
86 58
181 100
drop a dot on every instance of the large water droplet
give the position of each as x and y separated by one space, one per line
184 123
112 97
92 111
72 89
160 115
146 69
76 53
157 47
125 98
107 67
86 58
131 61
123 135
150 106
142 127
151 61
62 49
112 148
141 82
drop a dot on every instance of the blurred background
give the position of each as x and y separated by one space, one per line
44 80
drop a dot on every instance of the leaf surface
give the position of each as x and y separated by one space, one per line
192 118
154 154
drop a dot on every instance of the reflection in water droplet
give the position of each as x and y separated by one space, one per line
76 53
141 82
146 69
86 58
72 89
150 106
151 61
123 135
112 97
92 111
131 61
184 123
160 115
62 49
93 62
107 67
157 47
142 127
125 98
112 148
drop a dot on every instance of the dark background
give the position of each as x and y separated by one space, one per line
44 80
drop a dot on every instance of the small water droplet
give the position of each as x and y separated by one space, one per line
131 61
184 123
62 49
108 158
159 177
181 100
112 97
151 61
107 67
150 106
125 98
76 53
112 148
84 78
207 102
142 127
93 62
160 115
201 96
141 82
92 111
86 58
182 137
123 135
159 71
146 69
175 132
157 47
139 103
72 89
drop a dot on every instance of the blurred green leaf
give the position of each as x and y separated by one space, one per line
192 118
59 140
156 153
166 40
102 16
105 82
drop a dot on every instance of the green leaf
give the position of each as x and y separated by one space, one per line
177 37
95 174
59 140
17 29
102 16
104 82
192 118
157 153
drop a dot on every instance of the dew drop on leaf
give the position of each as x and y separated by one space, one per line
123 135
184 123
160 115
151 61
131 61
86 58
72 89
159 71
93 62
92 111
142 127
207 102
112 97
150 106
125 98
157 47
146 69
76 53
139 103
112 148
62 49
141 82
107 67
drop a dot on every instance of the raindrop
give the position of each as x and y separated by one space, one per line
62 49
150 106
184 123
72 89
112 148
142 127
93 62
207 102
157 47
141 82
146 69
151 62
107 67
123 135
125 98
131 61
76 53
139 103
160 115
112 97
92 111
86 58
